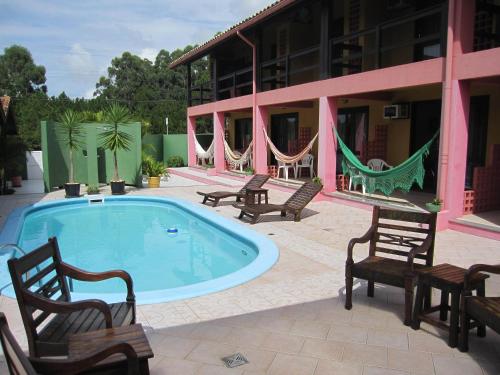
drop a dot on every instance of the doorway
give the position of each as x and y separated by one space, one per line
477 133
425 122
285 133
242 133
352 126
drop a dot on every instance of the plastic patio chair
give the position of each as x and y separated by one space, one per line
306 162
285 167
377 164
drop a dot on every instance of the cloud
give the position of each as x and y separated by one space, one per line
148 53
79 60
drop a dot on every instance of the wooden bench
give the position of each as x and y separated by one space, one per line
40 282
399 243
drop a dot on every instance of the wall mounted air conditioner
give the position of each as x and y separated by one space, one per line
397 111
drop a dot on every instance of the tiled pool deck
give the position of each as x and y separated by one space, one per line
291 320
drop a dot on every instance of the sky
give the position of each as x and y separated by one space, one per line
76 40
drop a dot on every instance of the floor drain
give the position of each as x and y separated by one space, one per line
234 360
270 234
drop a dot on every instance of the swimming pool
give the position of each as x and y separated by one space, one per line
173 249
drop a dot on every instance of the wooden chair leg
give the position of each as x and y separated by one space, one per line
205 199
283 213
481 328
371 289
464 332
240 216
348 287
454 315
297 216
417 309
255 218
427 297
408 301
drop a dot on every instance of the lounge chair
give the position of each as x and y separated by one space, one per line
295 204
255 182
19 363
44 300
479 310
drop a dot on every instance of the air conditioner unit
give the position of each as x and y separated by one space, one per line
396 111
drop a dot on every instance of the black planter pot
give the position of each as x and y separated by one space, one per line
117 187
72 190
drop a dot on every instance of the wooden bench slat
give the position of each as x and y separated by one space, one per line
44 272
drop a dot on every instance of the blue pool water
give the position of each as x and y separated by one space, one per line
172 249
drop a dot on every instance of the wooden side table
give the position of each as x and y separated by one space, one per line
251 193
84 343
450 280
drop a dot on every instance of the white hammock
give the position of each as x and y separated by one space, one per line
286 158
201 153
236 160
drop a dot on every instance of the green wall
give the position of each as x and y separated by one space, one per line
175 145
93 164
156 141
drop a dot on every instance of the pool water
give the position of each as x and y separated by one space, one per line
135 236
172 249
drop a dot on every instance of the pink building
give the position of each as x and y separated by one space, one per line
297 68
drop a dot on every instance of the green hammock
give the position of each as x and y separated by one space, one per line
400 177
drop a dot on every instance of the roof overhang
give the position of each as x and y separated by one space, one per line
202 50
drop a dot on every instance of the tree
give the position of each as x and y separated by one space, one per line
71 132
19 75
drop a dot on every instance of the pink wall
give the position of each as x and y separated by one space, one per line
327 157
191 132
259 141
219 141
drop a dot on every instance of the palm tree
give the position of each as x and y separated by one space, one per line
115 139
72 132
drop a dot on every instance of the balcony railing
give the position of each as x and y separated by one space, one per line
200 94
368 49
418 36
285 70
235 84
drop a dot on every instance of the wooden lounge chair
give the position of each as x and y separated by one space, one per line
19 363
295 204
407 235
484 311
40 282
255 182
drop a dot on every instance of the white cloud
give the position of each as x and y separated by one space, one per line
149 53
79 60
89 94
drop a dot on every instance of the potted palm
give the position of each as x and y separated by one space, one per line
115 140
71 132
154 170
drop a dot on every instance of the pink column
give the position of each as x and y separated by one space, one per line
327 145
259 141
455 110
191 133
457 138
219 141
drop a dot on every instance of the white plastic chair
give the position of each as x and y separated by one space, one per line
285 167
354 177
377 164
306 162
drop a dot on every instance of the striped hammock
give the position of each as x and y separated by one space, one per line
289 159
237 160
203 154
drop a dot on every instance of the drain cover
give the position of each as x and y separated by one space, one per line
234 360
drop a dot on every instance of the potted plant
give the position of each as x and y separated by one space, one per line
155 170
71 134
92 190
435 205
115 140
317 181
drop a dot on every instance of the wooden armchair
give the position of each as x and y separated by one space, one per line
49 316
398 240
484 311
18 363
